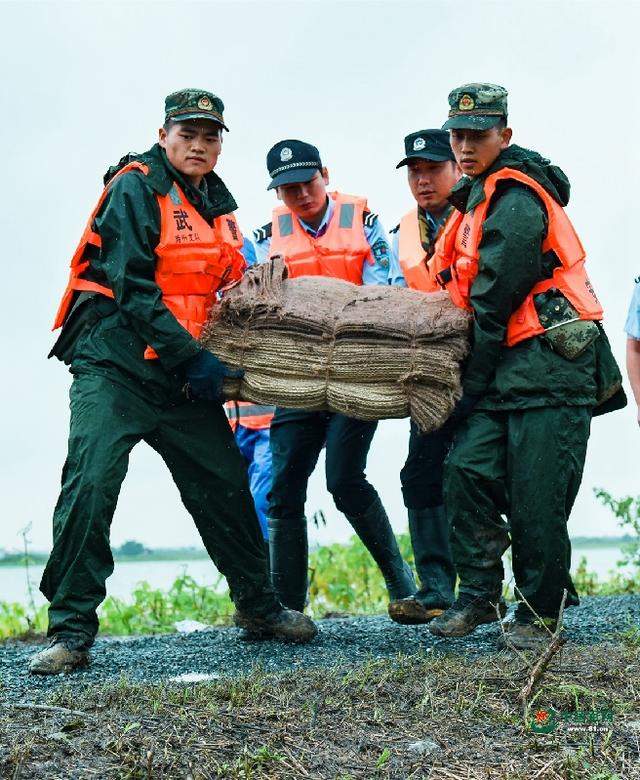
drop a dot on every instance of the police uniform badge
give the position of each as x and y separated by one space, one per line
286 154
419 144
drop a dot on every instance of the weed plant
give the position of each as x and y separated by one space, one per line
342 579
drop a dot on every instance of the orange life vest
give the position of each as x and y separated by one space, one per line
339 252
257 417
193 259
412 256
454 264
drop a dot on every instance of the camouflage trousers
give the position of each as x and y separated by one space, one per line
512 478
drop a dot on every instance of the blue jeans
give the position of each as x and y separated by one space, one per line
255 449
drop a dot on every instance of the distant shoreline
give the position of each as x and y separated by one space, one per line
193 554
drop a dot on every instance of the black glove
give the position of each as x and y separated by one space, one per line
463 408
205 374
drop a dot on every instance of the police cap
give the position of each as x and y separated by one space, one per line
292 162
427 145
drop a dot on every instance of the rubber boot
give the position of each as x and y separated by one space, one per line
429 529
288 555
375 531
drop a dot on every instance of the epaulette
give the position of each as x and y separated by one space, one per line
369 219
262 234
395 229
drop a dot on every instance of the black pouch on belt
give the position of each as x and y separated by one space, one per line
83 315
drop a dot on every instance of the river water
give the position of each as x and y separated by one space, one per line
161 574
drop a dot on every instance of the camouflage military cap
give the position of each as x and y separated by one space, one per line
476 107
194 104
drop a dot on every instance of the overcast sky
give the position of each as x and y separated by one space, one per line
83 84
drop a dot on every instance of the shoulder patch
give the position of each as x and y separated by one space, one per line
380 251
395 229
262 234
369 219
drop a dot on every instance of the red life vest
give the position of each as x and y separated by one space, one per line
412 256
193 259
339 252
454 264
257 417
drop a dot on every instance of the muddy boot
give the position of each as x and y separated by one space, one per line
429 531
285 625
375 531
534 635
467 613
60 657
288 556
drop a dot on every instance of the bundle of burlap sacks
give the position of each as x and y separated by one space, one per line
320 343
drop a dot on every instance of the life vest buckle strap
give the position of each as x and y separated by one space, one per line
445 276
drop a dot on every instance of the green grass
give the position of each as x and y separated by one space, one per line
341 723
343 578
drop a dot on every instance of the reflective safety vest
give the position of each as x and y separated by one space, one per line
454 264
257 417
193 259
340 251
412 256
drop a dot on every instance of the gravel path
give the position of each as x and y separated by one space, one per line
344 641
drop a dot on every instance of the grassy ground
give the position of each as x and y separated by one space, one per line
337 724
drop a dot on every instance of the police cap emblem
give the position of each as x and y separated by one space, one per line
467 103
205 103
286 154
419 144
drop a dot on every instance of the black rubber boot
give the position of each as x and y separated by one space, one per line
288 555
375 531
429 529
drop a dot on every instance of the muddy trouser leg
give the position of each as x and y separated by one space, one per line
348 443
421 480
106 422
296 440
547 449
475 491
195 441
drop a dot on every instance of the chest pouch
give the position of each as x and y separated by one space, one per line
564 331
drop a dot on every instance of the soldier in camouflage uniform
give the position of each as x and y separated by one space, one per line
131 353
520 451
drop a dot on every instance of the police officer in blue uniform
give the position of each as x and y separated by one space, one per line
297 436
431 172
